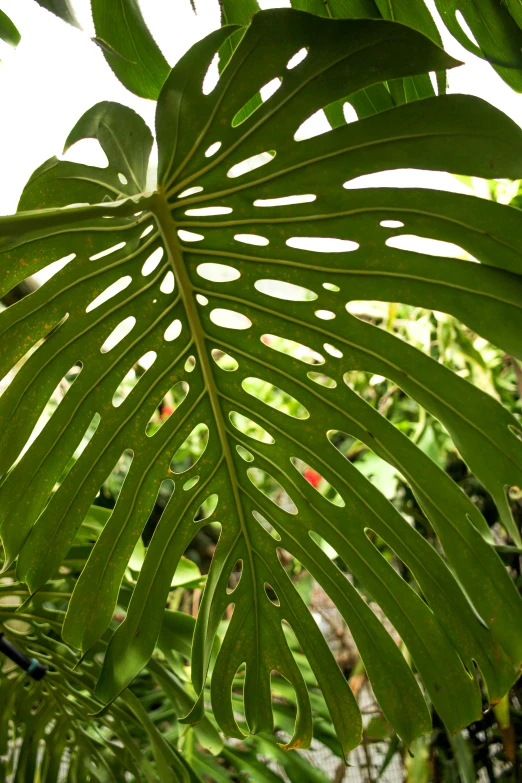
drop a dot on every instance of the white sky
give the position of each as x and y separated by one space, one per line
57 73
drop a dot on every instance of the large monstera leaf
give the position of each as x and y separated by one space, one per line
240 267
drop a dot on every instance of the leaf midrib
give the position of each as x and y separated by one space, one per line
162 210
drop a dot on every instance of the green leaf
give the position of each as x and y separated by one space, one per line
238 11
380 97
53 716
415 15
497 33
126 141
187 574
463 754
182 702
8 30
418 764
167 267
129 47
62 9
177 630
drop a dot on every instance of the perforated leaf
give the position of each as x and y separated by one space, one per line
228 288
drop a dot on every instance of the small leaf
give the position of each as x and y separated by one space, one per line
8 30
129 47
62 9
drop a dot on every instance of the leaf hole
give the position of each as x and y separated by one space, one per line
118 334
224 361
331 287
270 88
130 381
324 315
256 101
323 544
392 224
211 77
276 398
212 149
147 231
87 437
238 687
208 211
173 330
322 244
516 431
190 483
45 274
284 201
279 289
123 179
292 348
202 300
429 247
218 273
271 594
190 191
152 261
265 524
107 252
190 364
333 351
52 404
250 164
207 508
111 488
168 283
318 482
198 556
244 453
235 577
272 489
170 403
88 152
250 428
297 58
112 290
322 380
251 239
191 450
349 113
315 125
229 319
189 236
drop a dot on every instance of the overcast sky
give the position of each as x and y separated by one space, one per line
57 73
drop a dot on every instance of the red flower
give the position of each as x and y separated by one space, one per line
312 476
